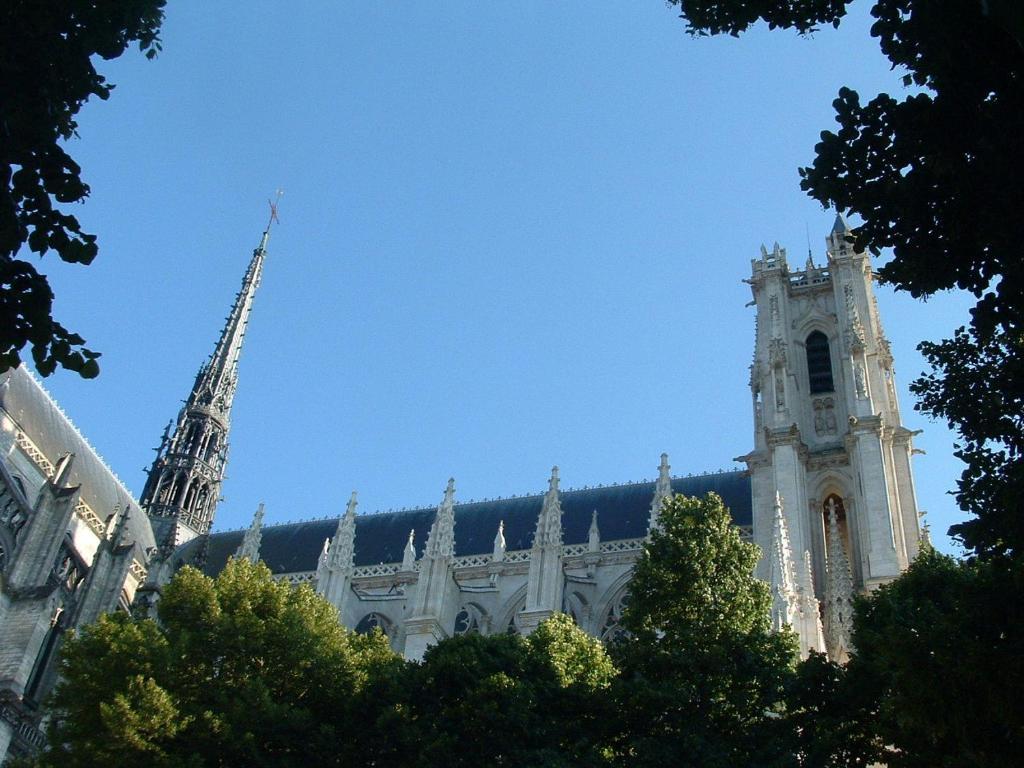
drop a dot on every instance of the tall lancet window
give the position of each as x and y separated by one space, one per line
819 363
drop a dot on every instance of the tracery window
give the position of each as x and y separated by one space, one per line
612 629
513 627
468 621
372 621
819 363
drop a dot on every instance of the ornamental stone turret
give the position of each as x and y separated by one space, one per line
334 571
546 580
184 483
435 582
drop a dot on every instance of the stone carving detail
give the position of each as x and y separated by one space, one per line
777 353
824 416
780 391
854 328
860 379
838 590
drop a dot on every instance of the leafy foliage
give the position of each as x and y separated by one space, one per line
941 652
703 677
46 75
240 671
505 700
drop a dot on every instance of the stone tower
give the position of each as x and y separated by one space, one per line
183 486
828 440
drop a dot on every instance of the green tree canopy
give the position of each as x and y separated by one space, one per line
702 675
508 701
241 670
940 651
46 75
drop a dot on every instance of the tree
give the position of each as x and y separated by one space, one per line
940 651
241 670
935 177
702 675
46 75
506 700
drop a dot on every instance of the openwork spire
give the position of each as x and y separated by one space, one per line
249 549
184 482
838 591
662 491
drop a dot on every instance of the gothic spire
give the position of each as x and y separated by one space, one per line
184 482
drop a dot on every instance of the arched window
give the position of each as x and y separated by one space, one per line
612 629
819 363
468 621
372 621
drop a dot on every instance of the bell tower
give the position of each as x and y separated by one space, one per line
829 445
184 482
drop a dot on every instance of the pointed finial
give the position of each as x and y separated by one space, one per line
764 251
594 534
350 508
499 543
449 491
553 482
62 471
409 554
249 549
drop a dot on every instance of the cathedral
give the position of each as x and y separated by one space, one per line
827 494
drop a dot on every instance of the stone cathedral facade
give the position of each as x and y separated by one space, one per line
828 495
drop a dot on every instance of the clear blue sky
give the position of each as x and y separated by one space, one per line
512 235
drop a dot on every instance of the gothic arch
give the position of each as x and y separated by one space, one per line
510 611
471 619
577 607
836 485
617 587
611 619
375 619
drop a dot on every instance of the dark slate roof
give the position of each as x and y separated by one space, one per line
622 513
